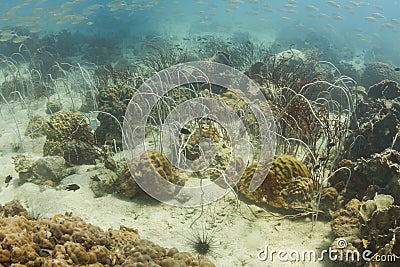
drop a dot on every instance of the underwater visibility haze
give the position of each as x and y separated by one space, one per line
199 133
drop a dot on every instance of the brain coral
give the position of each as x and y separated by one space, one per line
145 169
288 184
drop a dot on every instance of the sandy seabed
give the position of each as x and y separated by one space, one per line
239 230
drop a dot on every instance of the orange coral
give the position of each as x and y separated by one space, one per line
28 242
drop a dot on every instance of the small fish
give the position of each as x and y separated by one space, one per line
378 15
185 131
373 19
51 125
312 8
396 69
58 218
34 30
333 3
397 21
72 187
20 39
94 124
330 144
389 26
8 179
316 167
95 178
6 37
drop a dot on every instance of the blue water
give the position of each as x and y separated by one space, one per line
354 25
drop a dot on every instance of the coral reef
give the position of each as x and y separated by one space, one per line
329 200
45 242
103 182
288 184
45 170
380 230
379 173
375 122
9 87
70 136
370 225
11 209
375 72
47 61
115 89
345 224
385 89
102 51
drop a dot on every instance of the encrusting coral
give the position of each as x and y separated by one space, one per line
379 173
288 184
368 226
45 242
375 122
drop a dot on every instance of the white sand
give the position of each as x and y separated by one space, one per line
237 232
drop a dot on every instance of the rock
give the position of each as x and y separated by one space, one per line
367 209
383 201
329 199
23 165
385 89
375 122
103 182
70 136
50 168
380 231
40 171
